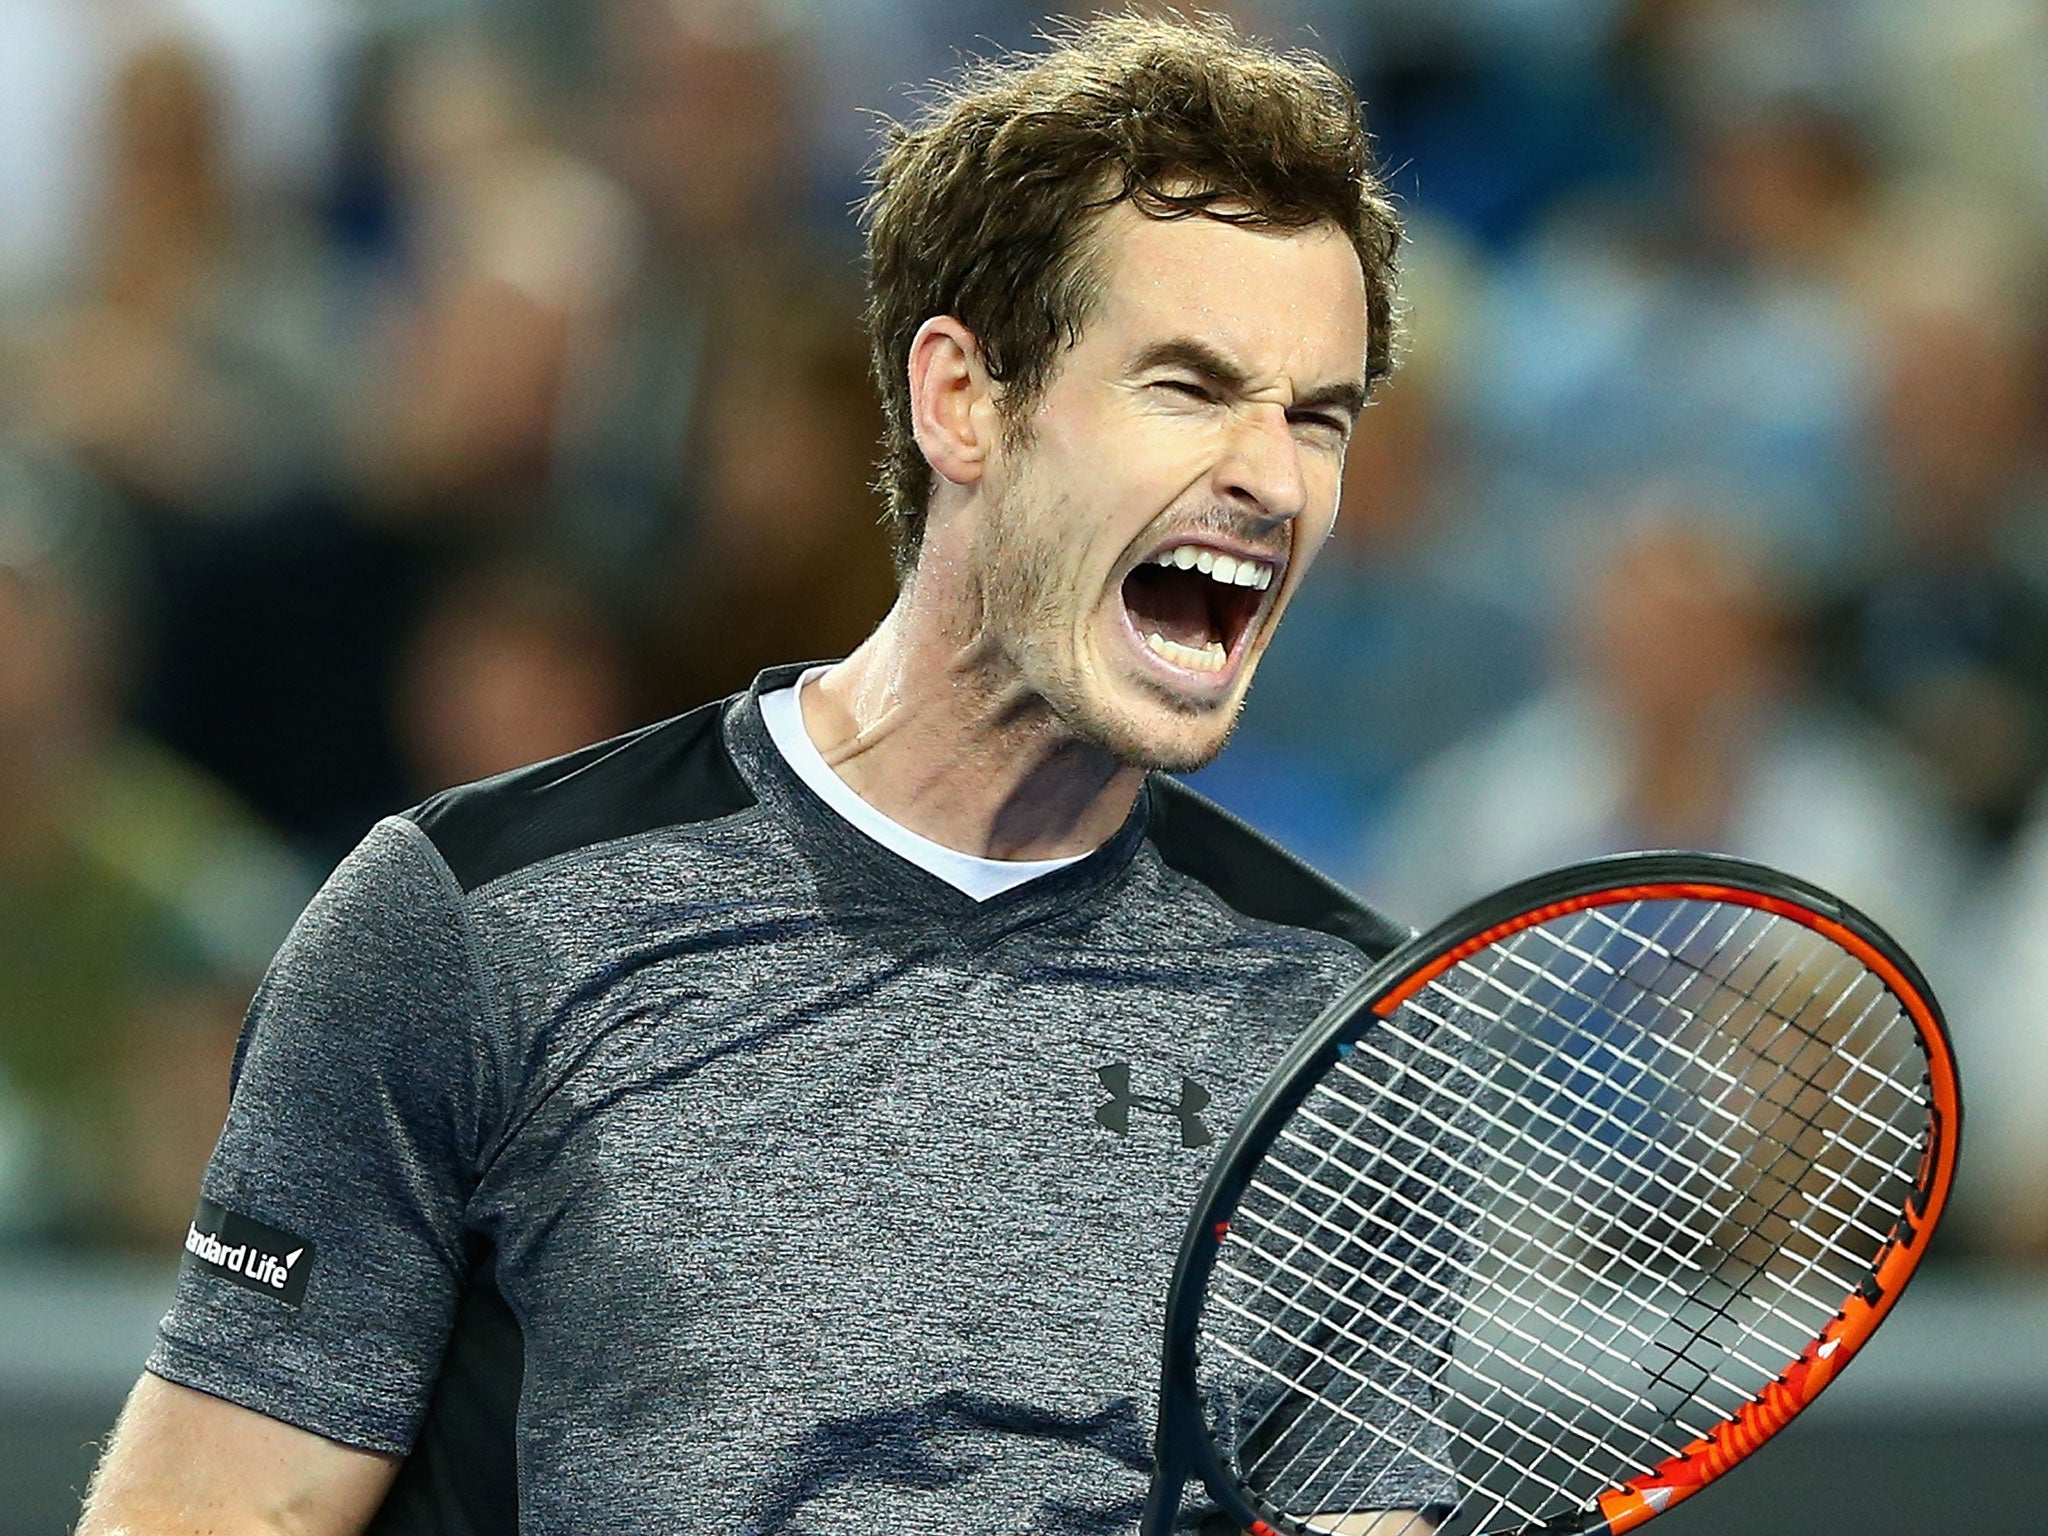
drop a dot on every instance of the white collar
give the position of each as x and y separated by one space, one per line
978 877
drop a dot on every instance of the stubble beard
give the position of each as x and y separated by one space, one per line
1028 612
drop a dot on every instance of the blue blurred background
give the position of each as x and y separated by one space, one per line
391 393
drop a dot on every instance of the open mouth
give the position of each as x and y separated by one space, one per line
1191 604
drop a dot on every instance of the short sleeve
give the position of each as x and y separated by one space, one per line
321 1274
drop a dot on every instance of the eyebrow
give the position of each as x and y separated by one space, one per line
1199 357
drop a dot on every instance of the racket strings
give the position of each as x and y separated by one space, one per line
1410 1444
1700 1086
1358 1212
1762 1092
1607 1430
1608 1266
1442 1127
1620 1325
1844 1281
1368 1384
1538 1112
1702 1327
1433 1341
1768 1007
1619 1094
1505 1261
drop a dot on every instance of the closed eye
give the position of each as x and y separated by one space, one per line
1338 427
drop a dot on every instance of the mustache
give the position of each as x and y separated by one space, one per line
1266 535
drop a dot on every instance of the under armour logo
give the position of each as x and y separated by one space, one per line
1116 1114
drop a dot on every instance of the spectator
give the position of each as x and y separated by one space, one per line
194 370
517 254
1704 330
1681 718
137 900
1999 1020
1942 629
511 665
699 112
188 366
788 557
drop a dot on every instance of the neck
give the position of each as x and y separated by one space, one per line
937 733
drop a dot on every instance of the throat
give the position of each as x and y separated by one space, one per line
968 771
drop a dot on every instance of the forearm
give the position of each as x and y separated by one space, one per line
180 1463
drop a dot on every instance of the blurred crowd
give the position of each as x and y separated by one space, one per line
393 394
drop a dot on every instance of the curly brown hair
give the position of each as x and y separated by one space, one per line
980 210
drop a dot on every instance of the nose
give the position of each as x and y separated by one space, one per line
1260 471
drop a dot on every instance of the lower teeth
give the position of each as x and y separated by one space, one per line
1206 658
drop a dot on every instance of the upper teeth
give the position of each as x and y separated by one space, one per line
1228 569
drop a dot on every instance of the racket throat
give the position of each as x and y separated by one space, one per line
1616 1513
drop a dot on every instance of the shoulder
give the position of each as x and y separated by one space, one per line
1253 875
673 773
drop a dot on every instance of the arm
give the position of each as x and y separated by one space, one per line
1393 1522
182 1462
346 1158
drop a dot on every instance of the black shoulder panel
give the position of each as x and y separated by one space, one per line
1256 875
462 1478
662 775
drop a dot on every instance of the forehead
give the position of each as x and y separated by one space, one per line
1283 301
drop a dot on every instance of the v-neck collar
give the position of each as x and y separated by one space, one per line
885 885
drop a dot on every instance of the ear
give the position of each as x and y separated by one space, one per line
952 400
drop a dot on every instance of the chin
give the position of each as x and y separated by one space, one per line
1170 736
1186 757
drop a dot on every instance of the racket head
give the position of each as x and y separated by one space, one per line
1835 1058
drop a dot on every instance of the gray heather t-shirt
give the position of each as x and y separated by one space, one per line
636 1147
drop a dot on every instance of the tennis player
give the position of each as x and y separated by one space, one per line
783 1118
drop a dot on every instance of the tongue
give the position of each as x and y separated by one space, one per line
1172 604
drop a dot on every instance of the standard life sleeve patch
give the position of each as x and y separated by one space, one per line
259 1258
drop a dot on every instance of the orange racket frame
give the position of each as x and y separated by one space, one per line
1184 1446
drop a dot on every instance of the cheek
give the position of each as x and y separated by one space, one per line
1325 476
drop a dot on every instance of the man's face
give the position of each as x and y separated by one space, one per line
1165 497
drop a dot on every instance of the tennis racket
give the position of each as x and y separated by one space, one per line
1565 1209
